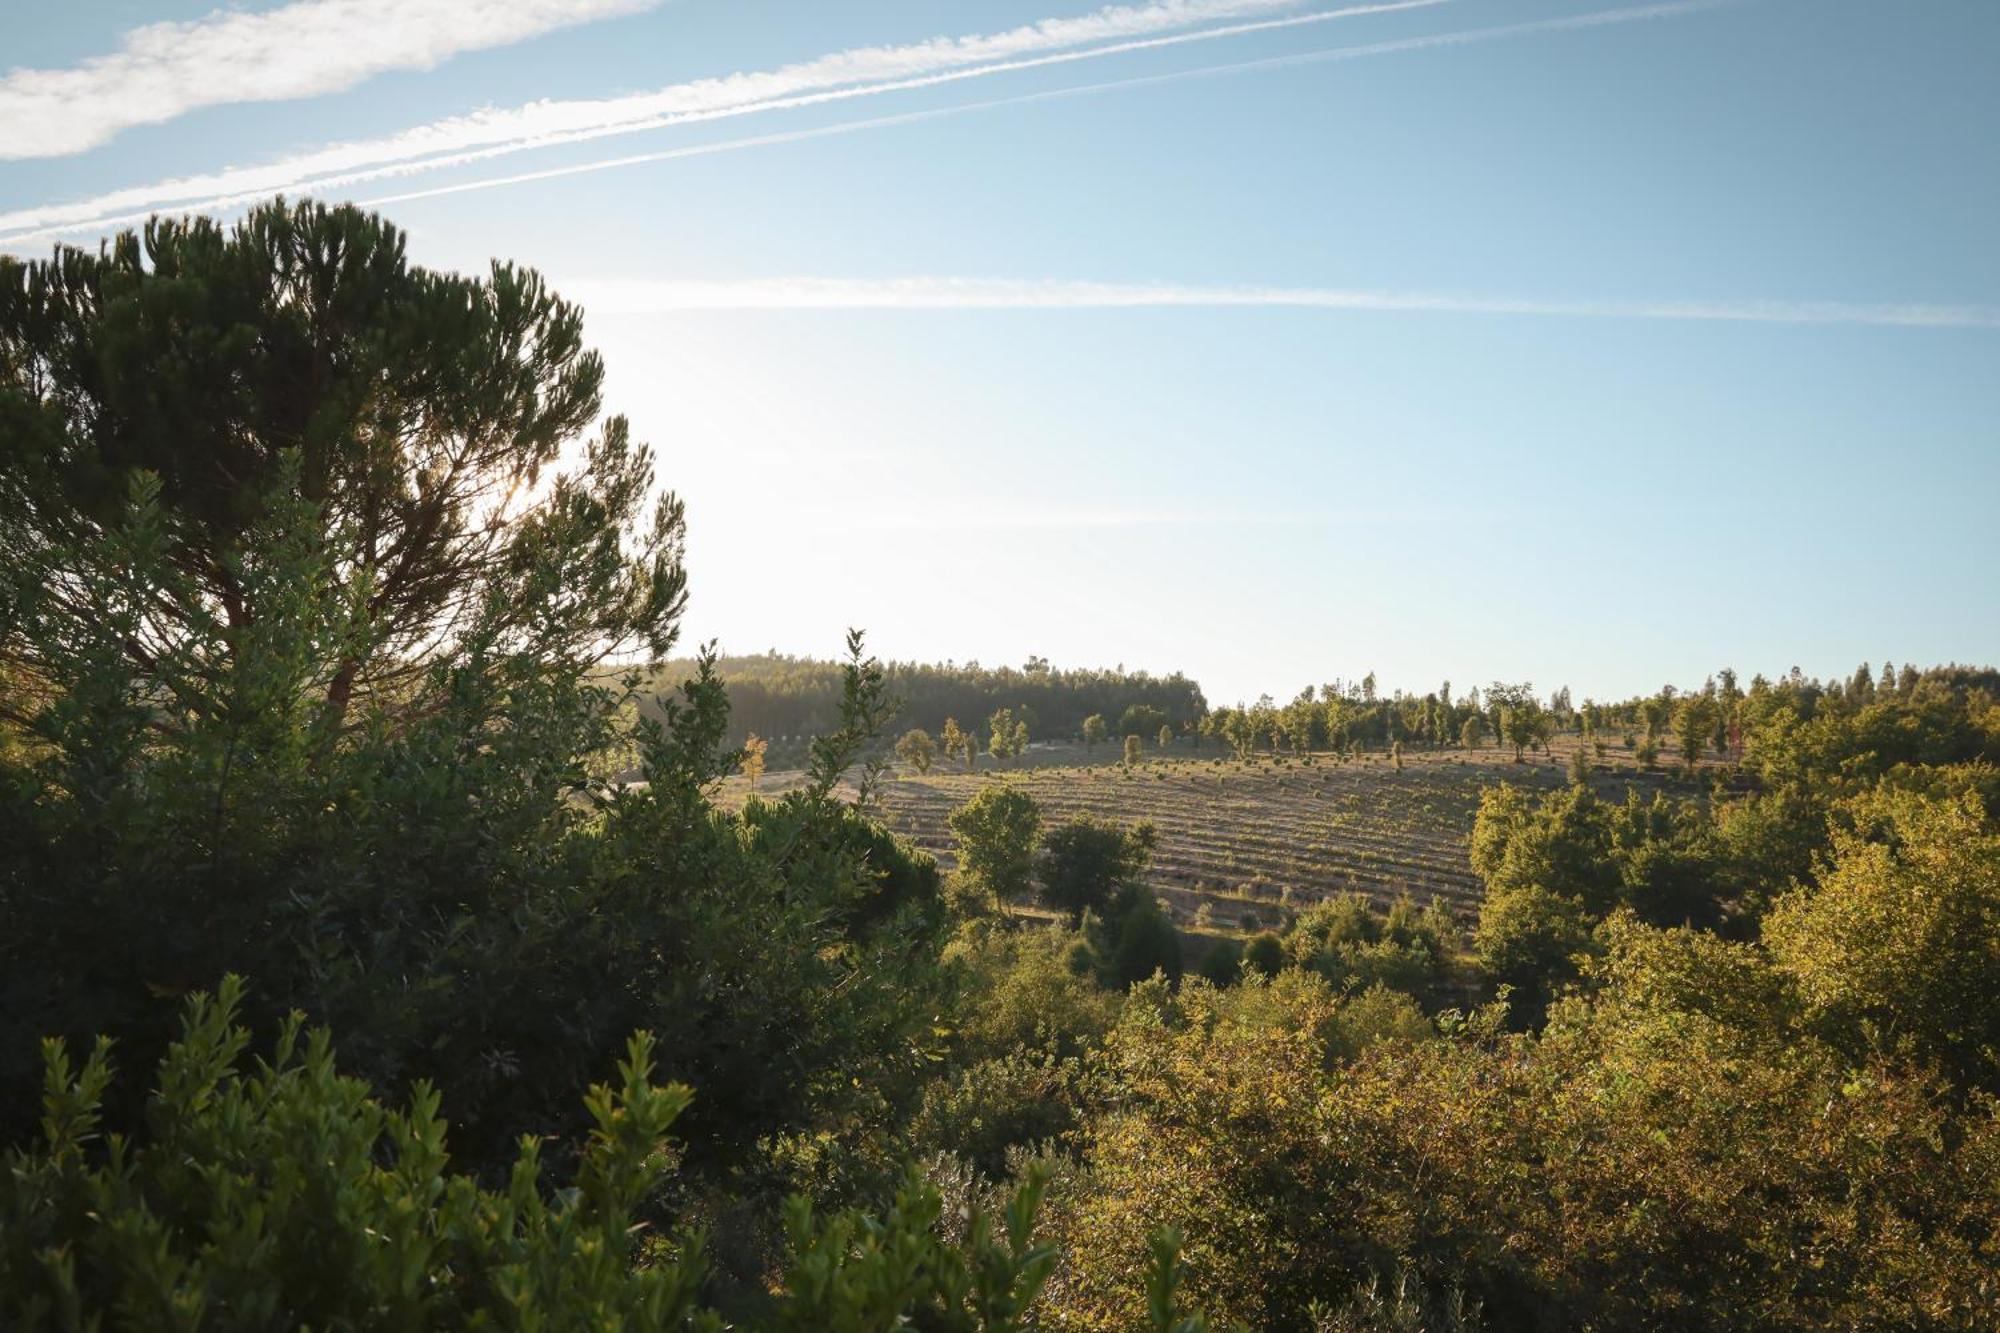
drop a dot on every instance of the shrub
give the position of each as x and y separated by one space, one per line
1146 943
287 1196
1223 963
1085 862
1265 953
996 838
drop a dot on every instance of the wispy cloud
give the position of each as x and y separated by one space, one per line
934 293
841 76
164 70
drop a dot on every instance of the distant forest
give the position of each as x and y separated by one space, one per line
783 698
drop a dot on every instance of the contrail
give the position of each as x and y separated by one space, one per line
1465 37
38 226
843 76
646 296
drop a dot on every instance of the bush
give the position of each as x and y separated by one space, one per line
1223 962
1032 991
996 838
1147 943
1265 953
981 1112
287 1196
1085 862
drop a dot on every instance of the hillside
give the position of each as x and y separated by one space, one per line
1253 841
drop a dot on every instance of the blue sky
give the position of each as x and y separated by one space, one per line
1470 339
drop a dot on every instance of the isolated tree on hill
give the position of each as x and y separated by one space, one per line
1094 730
1000 734
1087 861
752 764
954 742
996 838
299 357
1133 749
917 749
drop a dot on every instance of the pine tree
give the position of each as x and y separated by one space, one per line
299 356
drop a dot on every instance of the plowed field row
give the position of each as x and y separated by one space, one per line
1263 837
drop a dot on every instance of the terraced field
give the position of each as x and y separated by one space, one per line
1255 842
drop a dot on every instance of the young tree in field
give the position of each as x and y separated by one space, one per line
1521 716
1166 737
1133 747
996 838
298 358
752 765
1018 743
1302 721
1087 861
955 742
1094 731
1473 731
1579 763
1691 729
917 749
1000 734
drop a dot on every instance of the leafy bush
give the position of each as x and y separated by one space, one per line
1147 943
286 1196
1086 861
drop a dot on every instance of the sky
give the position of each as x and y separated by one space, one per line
1578 342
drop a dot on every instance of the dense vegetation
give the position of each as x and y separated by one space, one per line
310 593
790 698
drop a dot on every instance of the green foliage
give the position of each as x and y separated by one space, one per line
955 742
791 697
1146 944
917 749
1094 730
394 803
1265 953
1345 940
1134 750
1222 963
287 1195
1085 862
1024 990
996 838
295 372
1008 735
1900 938
1672 1152
982 1113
